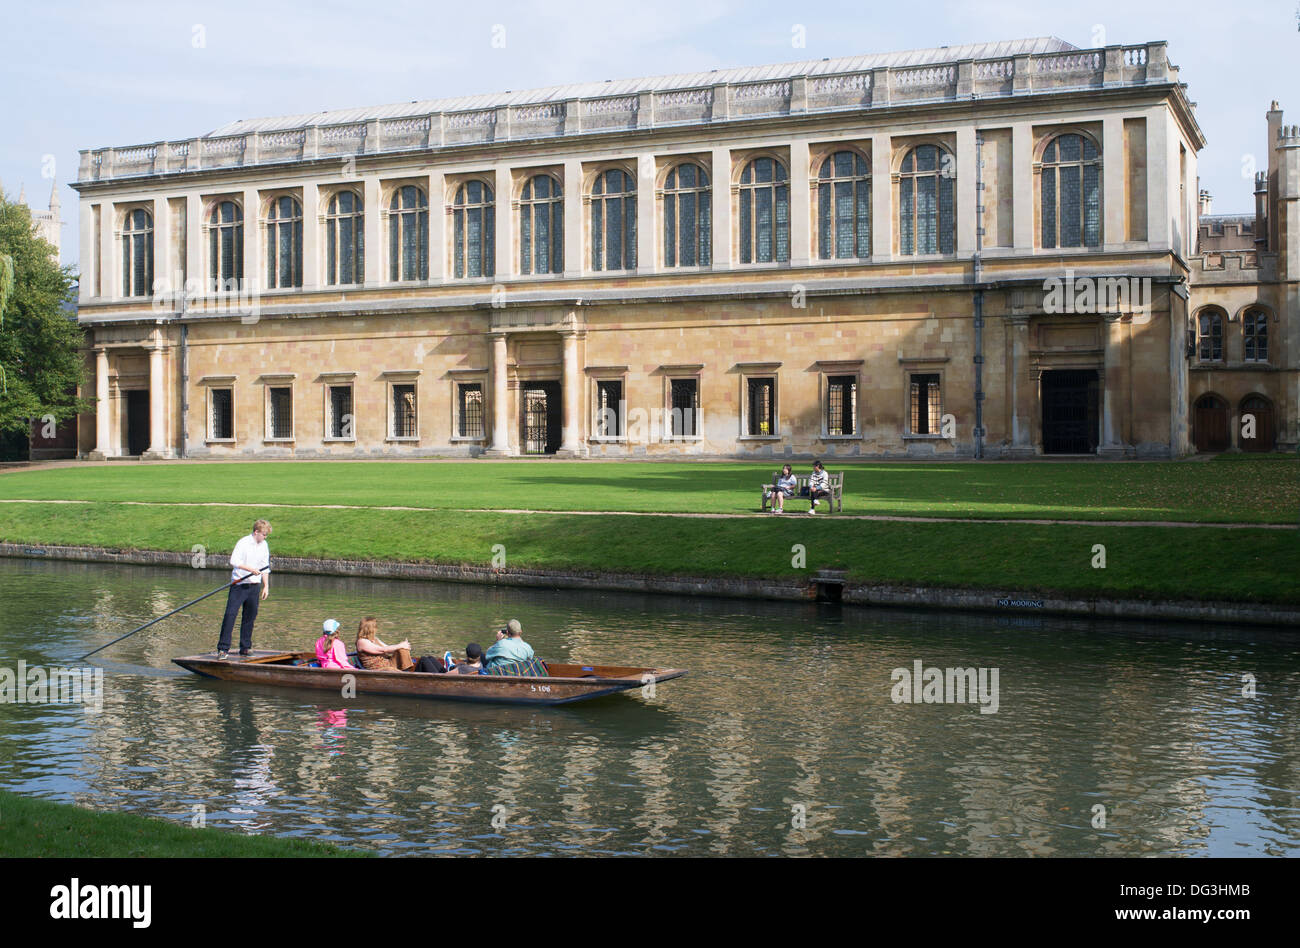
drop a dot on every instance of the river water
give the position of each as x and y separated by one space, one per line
1108 739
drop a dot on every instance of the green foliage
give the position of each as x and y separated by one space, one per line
39 338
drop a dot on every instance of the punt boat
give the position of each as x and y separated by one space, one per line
564 684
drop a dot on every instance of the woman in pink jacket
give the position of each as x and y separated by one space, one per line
330 650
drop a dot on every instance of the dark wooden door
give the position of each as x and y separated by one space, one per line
1210 424
1262 409
1070 411
137 422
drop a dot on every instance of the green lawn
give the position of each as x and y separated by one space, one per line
34 827
1250 565
1228 490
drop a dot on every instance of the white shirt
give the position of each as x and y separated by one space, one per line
248 552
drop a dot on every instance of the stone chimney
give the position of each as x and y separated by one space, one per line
1204 203
1261 211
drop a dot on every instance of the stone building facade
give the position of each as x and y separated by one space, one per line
982 250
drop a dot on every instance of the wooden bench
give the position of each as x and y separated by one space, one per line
834 503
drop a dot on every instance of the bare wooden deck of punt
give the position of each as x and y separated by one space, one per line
567 682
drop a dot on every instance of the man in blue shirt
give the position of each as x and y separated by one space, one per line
509 647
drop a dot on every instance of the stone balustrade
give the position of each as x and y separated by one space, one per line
871 88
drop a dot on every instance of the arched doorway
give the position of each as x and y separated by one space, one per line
1210 424
1261 410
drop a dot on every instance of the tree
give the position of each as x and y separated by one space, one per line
41 364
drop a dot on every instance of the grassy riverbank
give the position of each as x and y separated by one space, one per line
34 827
1208 563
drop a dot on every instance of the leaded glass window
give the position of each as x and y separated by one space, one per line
687 217
541 226
403 418
1070 193
927 406
340 423
1254 327
408 234
841 405
279 413
469 410
1210 327
844 207
613 221
226 247
927 220
474 252
684 405
221 414
764 212
609 409
284 243
137 253
345 239
761 405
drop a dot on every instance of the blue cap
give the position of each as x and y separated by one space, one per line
331 625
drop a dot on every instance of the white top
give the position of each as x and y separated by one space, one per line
248 552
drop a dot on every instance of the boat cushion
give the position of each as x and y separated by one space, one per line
534 668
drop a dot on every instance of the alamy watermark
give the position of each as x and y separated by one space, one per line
1090 296
921 685
36 685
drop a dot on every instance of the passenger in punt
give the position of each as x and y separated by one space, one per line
473 664
330 650
510 646
375 655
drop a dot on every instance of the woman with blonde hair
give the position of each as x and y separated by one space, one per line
377 656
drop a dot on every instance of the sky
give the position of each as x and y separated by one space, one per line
90 75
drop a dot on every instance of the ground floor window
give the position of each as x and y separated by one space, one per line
340 425
221 414
841 405
403 420
760 407
279 413
469 410
683 408
926 404
609 409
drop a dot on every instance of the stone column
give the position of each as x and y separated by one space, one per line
647 260
720 208
882 198
254 264
1113 199
102 422
1159 170
1114 387
966 196
500 400
437 228
1022 188
573 217
571 445
311 237
110 273
163 225
158 447
1020 389
800 206
194 244
376 264
503 189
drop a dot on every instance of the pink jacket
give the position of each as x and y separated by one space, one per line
336 657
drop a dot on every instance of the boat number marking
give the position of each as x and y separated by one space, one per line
545 688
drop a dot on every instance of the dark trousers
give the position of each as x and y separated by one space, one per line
818 495
247 595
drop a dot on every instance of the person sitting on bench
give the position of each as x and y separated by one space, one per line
785 487
819 486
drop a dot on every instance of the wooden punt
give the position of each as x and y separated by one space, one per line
567 682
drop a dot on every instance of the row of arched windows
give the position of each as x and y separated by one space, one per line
1070 216
1254 336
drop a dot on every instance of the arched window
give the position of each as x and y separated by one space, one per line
284 243
475 250
1070 193
613 221
927 220
1209 332
541 226
844 207
408 234
137 253
345 239
687 217
764 212
1254 329
226 246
